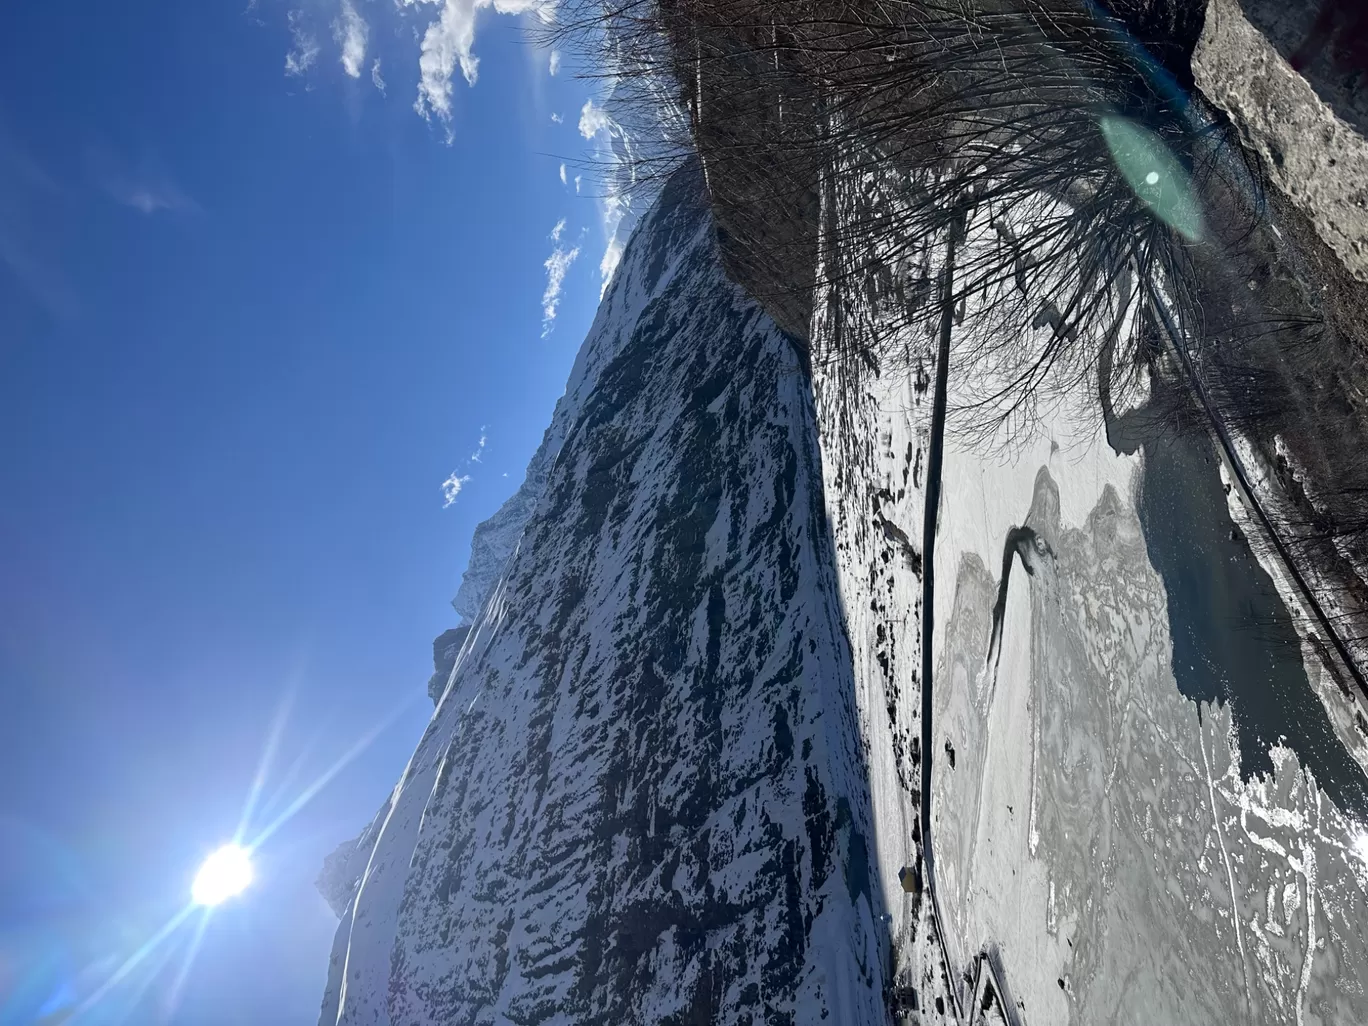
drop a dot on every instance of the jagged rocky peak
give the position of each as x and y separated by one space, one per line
342 870
641 796
445 648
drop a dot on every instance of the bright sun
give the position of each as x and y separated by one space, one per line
225 873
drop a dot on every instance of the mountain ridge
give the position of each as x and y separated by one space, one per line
641 796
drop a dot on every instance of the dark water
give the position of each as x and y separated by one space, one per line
1233 638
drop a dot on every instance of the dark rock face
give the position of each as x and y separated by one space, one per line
445 648
1327 44
641 799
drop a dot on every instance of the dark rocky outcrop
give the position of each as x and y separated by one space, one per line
445 648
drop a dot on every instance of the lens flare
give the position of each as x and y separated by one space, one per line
225 873
1154 175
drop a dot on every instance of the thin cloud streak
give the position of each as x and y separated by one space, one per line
146 187
306 49
351 33
596 125
557 266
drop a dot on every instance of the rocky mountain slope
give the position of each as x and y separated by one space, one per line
641 797
711 670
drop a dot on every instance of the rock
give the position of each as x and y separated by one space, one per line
445 648
642 797
1313 156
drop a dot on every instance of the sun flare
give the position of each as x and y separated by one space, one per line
225 873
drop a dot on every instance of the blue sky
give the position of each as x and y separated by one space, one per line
254 311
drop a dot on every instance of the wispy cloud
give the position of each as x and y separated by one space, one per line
150 198
594 120
146 188
445 43
452 486
450 41
562 174
557 266
305 50
351 33
598 126
457 480
557 118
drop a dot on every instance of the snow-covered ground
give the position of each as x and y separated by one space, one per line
1092 823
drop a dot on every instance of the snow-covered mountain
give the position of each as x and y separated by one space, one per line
641 797
676 770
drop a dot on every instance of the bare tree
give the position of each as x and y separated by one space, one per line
840 142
